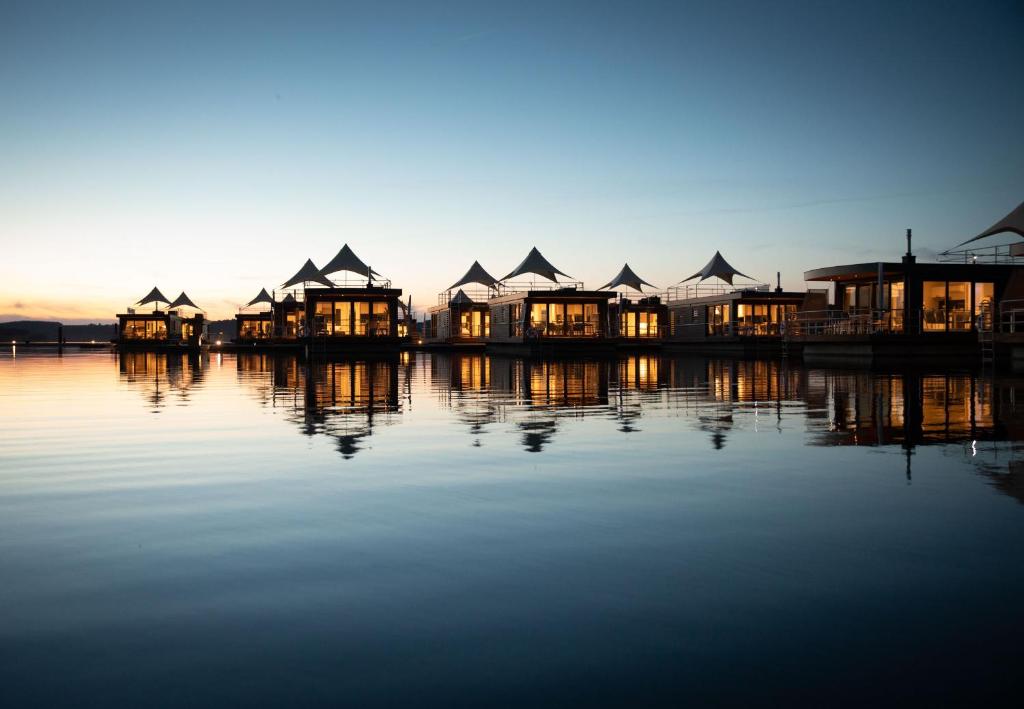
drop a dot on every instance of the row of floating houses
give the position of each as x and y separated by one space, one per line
969 301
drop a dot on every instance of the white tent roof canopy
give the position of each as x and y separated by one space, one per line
183 300
154 296
308 273
346 260
626 277
1012 222
535 263
716 267
476 274
263 297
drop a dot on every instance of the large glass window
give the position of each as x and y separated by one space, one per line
958 305
933 306
343 318
556 319
628 324
849 297
381 321
896 305
323 321
362 317
574 317
983 298
539 316
718 319
592 319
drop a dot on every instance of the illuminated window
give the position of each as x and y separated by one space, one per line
983 295
933 306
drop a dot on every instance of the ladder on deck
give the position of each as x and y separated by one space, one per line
986 334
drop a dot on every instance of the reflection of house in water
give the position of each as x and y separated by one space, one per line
342 399
157 373
911 409
462 381
865 408
254 371
1006 476
711 390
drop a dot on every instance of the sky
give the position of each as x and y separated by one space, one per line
214 147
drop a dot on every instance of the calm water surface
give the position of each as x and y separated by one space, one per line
472 531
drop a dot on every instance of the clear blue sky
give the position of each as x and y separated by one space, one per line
214 147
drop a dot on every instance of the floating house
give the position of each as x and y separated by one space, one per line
961 306
531 316
359 310
728 309
635 320
462 316
255 323
181 324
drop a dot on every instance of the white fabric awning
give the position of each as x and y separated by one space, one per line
626 277
716 267
535 263
308 273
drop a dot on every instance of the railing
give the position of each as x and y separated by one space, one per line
586 328
375 327
1002 253
702 290
477 295
877 321
1011 316
522 286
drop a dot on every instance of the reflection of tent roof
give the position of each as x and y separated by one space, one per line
475 274
155 296
626 277
346 260
183 300
719 267
1013 222
308 272
460 298
536 263
263 297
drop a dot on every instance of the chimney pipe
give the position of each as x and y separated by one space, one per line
909 237
778 281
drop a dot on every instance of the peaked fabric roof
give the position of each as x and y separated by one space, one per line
308 272
626 277
289 298
536 263
263 297
460 298
155 296
719 267
183 300
475 274
1014 222
346 260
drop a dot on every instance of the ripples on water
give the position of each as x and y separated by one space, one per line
471 530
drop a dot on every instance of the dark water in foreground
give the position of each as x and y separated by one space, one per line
466 531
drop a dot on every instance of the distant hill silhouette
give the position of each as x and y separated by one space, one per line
46 331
